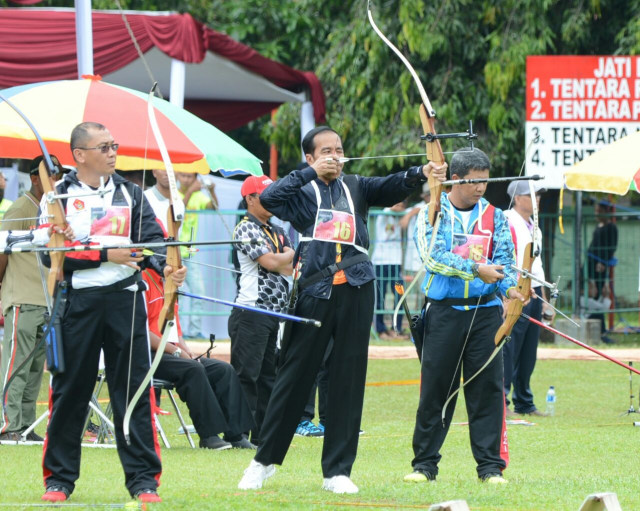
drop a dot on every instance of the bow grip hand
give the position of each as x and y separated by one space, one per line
436 171
177 276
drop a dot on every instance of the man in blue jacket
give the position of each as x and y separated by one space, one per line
336 288
462 315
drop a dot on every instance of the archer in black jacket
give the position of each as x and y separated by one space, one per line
336 288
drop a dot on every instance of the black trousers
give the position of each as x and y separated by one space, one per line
95 321
445 332
346 316
212 392
321 385
520 355
253 356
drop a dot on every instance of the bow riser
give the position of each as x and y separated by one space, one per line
174 260
514 308
56 211
434 154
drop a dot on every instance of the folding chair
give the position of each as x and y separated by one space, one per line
106 430
170 387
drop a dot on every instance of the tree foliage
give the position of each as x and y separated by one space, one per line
470 55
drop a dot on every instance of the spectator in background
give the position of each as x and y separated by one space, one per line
5 203
262 283
521 352
387 259
209 387
195 199
412 262
24 308
604 243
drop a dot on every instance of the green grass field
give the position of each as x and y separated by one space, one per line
586 448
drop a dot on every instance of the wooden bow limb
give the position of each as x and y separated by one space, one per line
581 344
175 216
433 149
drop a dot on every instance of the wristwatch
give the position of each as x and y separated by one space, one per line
177 353
475 270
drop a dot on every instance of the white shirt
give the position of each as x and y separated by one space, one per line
523 235
388 242
159 203
412 260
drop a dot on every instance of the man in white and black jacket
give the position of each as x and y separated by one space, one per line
102 305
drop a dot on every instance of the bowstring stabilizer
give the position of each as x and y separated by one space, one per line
469 135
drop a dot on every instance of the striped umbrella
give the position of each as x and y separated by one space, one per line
613 169
56 107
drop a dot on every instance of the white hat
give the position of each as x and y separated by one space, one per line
522 188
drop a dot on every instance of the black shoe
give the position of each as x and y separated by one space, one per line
93 428
214 442
243 443
32 436
13 436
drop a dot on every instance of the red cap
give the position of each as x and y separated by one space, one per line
255 184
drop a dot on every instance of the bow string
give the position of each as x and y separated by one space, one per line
175 215
434 151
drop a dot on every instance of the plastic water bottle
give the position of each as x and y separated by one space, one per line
551 401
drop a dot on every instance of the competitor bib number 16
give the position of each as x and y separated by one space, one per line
335 226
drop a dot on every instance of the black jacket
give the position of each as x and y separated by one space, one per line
292 198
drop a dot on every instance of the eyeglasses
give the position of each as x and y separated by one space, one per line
104 149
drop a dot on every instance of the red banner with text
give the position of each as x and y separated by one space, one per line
575 106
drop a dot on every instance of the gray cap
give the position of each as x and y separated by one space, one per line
522 188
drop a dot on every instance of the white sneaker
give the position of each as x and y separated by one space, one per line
339 484
255 475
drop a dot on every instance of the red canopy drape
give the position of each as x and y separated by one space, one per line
40 45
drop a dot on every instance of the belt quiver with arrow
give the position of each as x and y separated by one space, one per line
53 331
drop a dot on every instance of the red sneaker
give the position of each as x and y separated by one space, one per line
56 494
148 495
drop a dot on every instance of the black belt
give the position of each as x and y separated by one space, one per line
136 278
474 301
331 269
